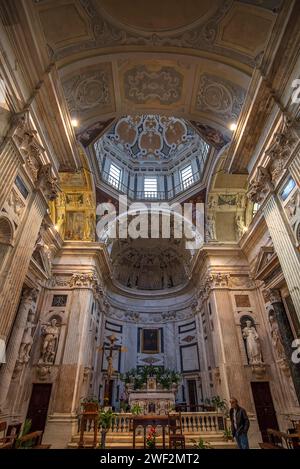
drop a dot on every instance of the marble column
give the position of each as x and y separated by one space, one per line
10 161
11 288
70 385
28 303
288 256
286 336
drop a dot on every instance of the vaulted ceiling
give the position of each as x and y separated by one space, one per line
189 58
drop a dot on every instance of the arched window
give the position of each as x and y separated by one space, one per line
6 239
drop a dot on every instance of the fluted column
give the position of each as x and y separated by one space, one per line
6 372
288 256
294 168
10 161
11 288
286 336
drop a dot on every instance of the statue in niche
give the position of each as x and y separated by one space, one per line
240 226
89 227
276 337
210 228
27 339
50 334
60 225
252 343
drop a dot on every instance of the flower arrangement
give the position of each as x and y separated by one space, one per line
151 438
138 376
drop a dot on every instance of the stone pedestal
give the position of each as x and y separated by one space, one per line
59 430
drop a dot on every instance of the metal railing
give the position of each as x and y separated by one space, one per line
150 195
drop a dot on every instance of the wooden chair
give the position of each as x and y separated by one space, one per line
37 440
6 441
277 440
176 436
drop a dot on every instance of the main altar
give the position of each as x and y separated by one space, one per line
152 399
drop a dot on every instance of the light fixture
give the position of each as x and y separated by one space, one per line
233 126
74 122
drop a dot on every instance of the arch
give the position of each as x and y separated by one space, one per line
6 239
6 230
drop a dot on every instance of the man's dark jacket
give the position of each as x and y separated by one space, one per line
242 421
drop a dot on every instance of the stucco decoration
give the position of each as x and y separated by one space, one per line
99 28
220 97
163 85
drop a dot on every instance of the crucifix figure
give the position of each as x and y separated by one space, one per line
110 370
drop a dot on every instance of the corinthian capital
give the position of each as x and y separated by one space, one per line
47 183
260 185
273 296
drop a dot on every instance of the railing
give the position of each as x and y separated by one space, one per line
150 195
192 422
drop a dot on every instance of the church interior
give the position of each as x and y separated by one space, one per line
138 338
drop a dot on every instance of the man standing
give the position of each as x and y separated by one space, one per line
239 424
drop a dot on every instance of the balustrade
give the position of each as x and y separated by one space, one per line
192 422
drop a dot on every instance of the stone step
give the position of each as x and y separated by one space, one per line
124 440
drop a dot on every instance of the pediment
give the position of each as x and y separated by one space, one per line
266 262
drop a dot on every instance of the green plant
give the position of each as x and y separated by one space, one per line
138 377
136 409
201 444
219 403
227 434
106 419
25 431
91 399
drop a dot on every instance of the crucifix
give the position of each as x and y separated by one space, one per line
110 370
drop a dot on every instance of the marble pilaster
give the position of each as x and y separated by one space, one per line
10 161
286 336
294 168
11 287
287 254
27 304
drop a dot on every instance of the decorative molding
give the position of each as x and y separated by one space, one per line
260 186
90 89
109 33
280 149
220 97
142 84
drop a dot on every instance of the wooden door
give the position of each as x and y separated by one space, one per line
38 406
266 415
192 390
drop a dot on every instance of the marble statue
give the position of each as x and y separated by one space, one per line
27 339
276 337
252 343
50 341
210 228
239 226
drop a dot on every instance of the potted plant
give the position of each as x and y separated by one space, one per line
90 405
227 434
136 409
19 444
201 444
219 404
106 420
